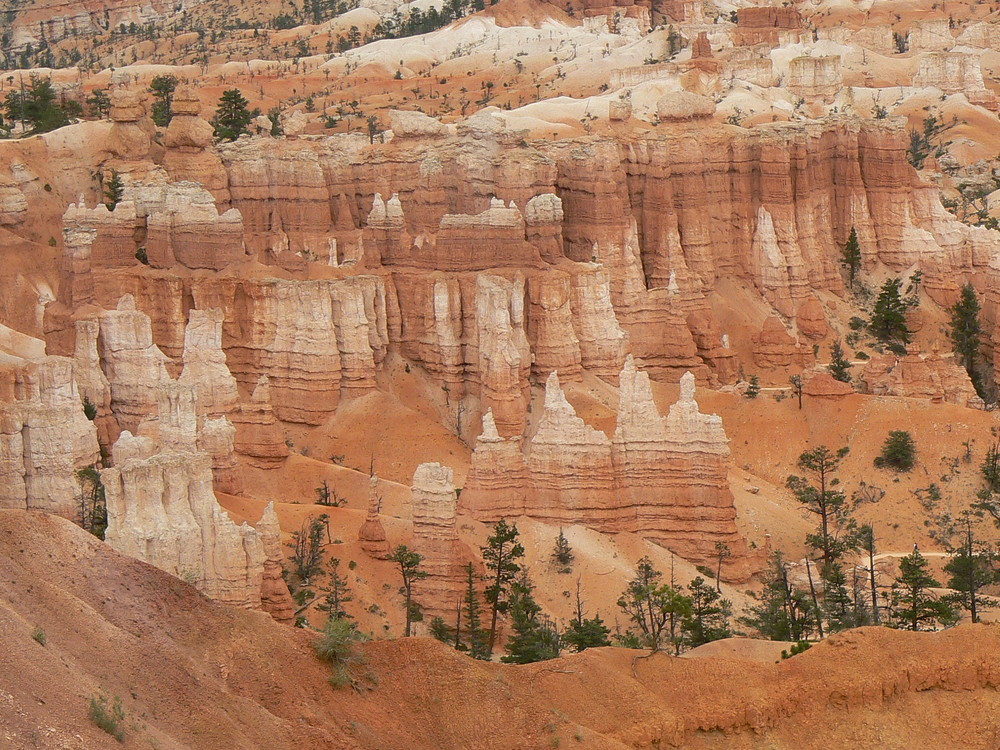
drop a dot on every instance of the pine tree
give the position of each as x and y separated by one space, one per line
656 608
473 618
337 591
562 553
583 633
866 538
837 604
35 106
114 190
722 552
307 549
232 118
839 364
822 499
162 88
534 637
966 333
796 381
888 321
709 617
783 613
440 630
913 605
899 452
851 256
99 103
410 570
971 568
93 501
502 551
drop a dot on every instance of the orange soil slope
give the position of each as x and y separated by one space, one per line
194 674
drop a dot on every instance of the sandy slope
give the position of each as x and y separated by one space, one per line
194 674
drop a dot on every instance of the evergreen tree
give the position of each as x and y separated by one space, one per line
783 613
114 190
913 605
899 452
991 468
888 321
796 381
866 538
583 633
851 256
534 637
709 617
839 364
35 106
586 633
440 630
562 553
410 570
307 549
336 591
162 88
970 569
722 552
822 499
501 554
656 608
838 607
966 333
93 501
99 103
232 118
478 638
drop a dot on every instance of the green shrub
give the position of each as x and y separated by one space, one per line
338 646
89 409
39 635
898 452
108 714
796 649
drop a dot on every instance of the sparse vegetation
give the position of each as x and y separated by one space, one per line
108 714
338 646
38 636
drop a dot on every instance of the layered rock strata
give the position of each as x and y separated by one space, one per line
371 535
161 509
662 477
436 538
45 437
931 376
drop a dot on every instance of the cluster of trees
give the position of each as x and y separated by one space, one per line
887 323
840 594
837 593
37 108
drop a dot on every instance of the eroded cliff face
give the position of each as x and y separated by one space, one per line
619 248
664 478
162 506
435 536
45 437
161 509
497 265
